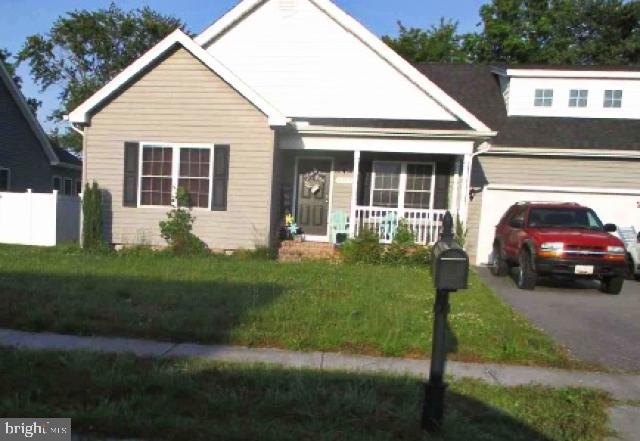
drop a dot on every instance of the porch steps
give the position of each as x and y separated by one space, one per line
296 251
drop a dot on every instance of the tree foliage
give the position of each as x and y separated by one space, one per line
84 49
92 232
5 59
438 43
582 32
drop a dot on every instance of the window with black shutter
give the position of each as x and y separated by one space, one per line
220 178
130 186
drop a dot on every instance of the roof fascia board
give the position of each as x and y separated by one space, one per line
394 132
534 188
28 115
365 36
552 151
567 73
82 113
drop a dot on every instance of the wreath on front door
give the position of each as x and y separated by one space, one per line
313 181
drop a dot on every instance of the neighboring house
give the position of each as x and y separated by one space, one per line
292 106
280 106
27 158
565 133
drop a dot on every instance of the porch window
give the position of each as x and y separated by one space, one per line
386 184
403 184
156 176
68 186
419 186
164 168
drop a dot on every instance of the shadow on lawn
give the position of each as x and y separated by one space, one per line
170 309
197 400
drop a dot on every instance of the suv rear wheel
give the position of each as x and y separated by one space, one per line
526 276
499 266
612 285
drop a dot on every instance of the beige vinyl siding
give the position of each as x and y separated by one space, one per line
547 171
181 101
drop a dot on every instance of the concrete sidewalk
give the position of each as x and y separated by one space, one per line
620 386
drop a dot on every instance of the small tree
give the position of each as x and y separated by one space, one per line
176 230
92 232
461 232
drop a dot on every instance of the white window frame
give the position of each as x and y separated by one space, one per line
402 185
543 98
612 100
53 183
64 186
575 101
8 170
175 170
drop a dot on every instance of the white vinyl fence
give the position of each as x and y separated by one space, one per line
44 219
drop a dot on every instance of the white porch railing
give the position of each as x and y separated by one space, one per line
424 223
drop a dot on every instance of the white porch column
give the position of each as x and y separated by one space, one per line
454 203
465 187
354 192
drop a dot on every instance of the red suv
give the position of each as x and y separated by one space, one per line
558 239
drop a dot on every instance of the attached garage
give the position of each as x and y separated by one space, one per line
616 206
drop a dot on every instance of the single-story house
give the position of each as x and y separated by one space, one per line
288 106
27 159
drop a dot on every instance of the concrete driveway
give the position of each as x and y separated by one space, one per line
599 328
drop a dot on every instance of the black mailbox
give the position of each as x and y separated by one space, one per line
449 266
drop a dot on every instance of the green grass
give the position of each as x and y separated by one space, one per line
198 400
378 310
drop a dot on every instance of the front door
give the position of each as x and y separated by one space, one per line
314 186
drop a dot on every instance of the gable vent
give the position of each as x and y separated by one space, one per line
288 7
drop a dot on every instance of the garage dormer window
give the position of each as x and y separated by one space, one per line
578 97
613 98
544 98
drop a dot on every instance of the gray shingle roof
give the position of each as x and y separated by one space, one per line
477 89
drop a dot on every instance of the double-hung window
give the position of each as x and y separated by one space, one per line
403 184
164 168
4 179
578 97
57 183
613 98
68 186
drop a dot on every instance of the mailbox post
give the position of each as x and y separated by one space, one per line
450 270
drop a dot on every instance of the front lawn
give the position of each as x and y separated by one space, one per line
128 398
380 310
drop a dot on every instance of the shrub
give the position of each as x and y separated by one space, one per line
365 248
421 255
92 233
461 233
176 230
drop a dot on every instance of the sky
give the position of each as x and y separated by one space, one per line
21 18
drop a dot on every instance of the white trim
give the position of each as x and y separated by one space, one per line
175 170
33 123
349 144
8 170
583 190
352 26
568 73
552 151
453 200
355 177
82 113
311 237
382 132
402 184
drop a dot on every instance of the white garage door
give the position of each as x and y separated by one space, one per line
620 207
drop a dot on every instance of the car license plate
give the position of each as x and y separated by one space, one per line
584 269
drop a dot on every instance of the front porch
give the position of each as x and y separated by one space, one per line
334 195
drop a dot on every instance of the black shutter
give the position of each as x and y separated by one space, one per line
220 178
130 186
441 198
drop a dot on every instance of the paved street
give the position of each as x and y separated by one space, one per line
596 327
